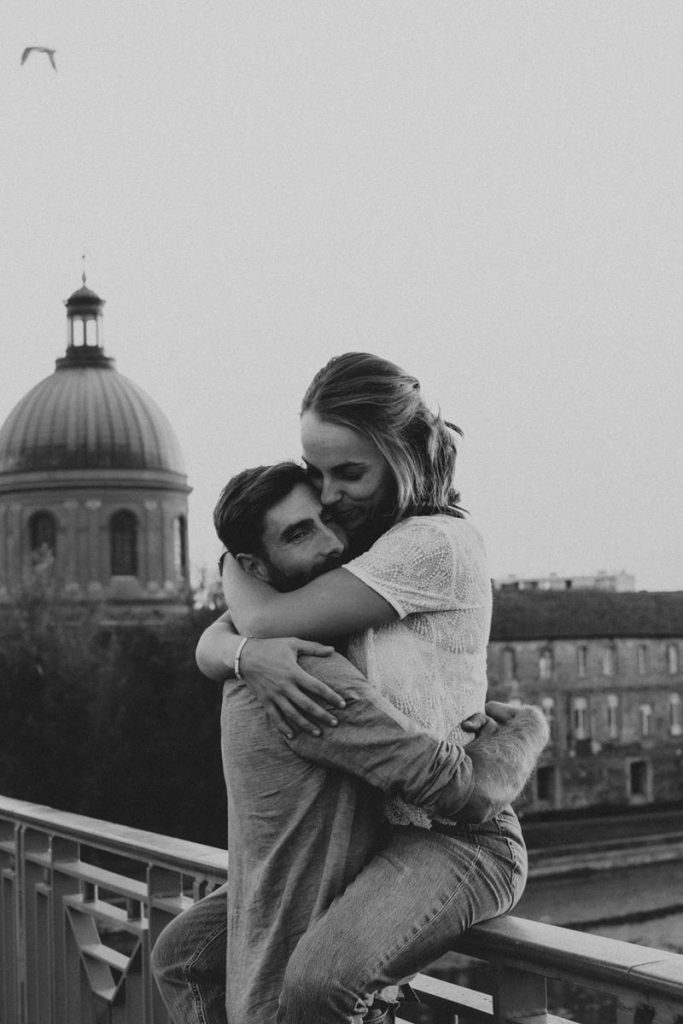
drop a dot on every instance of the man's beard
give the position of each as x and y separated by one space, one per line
293 581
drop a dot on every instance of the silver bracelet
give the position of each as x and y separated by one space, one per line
240 648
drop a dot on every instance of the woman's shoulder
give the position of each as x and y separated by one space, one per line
438 525
435 534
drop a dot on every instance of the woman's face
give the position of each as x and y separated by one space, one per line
352 476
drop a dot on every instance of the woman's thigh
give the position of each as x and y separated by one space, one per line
414 898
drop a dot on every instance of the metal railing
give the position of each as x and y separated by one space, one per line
82 902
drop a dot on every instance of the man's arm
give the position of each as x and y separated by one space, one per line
379 744
503 756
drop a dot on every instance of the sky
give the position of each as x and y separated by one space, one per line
487 193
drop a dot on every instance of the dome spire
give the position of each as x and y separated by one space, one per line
84 328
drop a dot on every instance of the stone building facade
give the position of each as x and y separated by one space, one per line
607 669
93 491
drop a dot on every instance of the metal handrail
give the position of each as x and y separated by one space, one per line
82 902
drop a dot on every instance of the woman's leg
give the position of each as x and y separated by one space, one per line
404 910
189 961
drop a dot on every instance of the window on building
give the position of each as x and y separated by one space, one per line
545 783
675 714
123 537
42 534
580 718
638 778
612 716
645 719
548 705
582 660
180 546
545 663
672 659
642 659
509 665
609 660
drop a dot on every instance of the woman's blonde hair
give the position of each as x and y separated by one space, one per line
384 404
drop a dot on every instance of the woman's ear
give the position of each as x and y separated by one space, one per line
253 565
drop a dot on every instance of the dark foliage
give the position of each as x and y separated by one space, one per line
115 723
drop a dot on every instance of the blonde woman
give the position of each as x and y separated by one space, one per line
416 603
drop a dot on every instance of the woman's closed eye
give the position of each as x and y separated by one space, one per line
351 474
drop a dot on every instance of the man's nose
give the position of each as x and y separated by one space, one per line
332 544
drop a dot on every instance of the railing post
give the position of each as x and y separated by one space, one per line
165 895
38 917
519 996
65 955
12 974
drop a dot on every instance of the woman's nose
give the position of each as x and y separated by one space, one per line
329 493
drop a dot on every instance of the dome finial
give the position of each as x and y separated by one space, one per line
83 277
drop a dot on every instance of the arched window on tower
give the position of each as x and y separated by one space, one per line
180 546
42 537
123 539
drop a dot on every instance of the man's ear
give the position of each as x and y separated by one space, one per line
253 565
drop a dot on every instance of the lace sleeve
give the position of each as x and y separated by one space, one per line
413 566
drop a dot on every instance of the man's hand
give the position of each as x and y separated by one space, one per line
495 712
503 754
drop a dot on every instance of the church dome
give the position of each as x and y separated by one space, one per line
87 415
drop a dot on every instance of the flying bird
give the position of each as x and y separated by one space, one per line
40 49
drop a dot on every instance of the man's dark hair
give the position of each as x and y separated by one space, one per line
245 500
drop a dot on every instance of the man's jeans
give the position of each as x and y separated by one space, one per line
189 961
403 910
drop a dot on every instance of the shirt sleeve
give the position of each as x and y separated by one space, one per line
377 743
412 566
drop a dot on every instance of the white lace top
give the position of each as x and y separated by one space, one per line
431 662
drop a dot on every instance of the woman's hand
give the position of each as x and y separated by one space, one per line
291 697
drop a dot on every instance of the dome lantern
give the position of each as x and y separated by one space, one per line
84 343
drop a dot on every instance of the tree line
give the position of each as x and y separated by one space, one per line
115 722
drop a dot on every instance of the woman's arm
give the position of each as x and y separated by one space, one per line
217 649
271 670
335 604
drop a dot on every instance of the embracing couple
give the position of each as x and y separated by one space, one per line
368 795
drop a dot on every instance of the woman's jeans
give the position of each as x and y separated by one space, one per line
404 910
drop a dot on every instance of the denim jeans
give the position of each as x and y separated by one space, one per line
188 961
403 910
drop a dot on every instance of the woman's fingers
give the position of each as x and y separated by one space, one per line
279 722
319 690
296 720
314 648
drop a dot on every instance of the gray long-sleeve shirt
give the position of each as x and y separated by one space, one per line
305 816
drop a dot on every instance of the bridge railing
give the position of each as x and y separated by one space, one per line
82 902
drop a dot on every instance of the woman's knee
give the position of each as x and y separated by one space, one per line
164 958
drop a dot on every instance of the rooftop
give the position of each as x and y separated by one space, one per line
585 614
